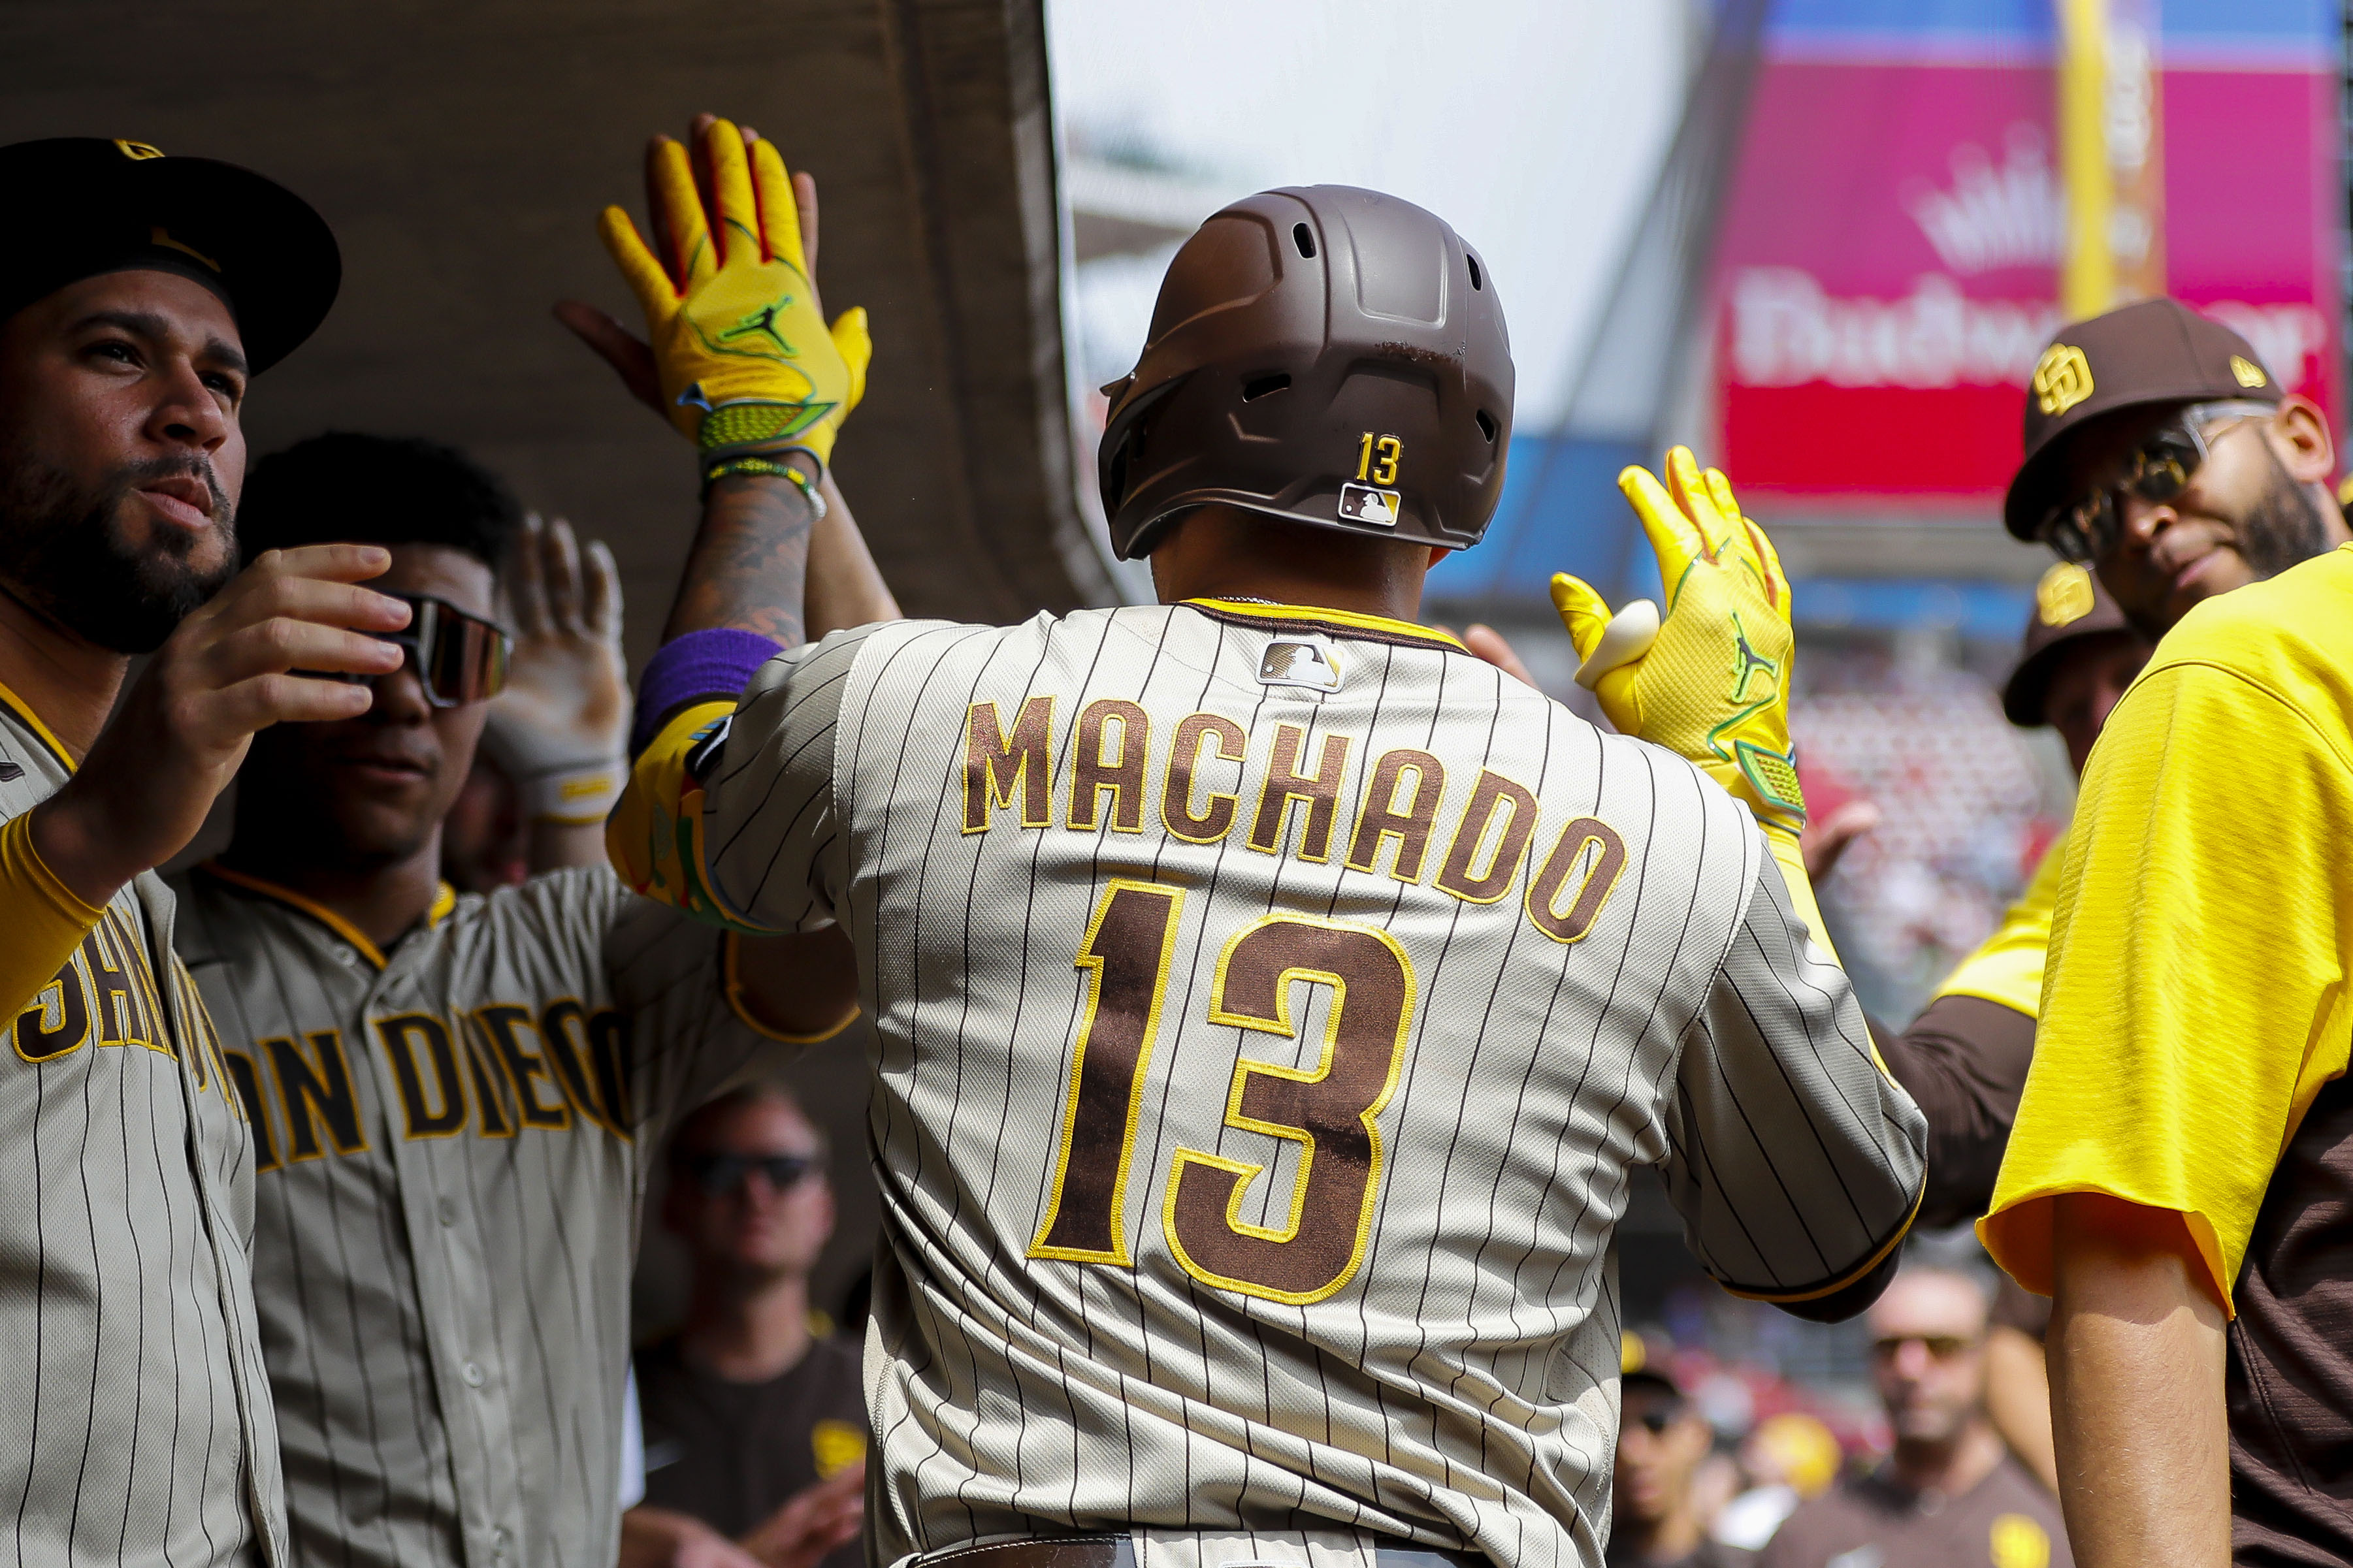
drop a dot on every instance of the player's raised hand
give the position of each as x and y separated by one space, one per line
626 352
740 358
1709 679
559 729
263 652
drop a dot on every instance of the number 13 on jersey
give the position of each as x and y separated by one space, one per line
1329 1111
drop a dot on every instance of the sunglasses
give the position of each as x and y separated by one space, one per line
2157 470
720 1175
1656 1422
458 659
1940 1347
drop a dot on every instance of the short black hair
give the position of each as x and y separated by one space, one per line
384 489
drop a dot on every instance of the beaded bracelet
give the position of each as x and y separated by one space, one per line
752 464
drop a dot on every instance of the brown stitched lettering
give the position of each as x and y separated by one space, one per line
1284 783
1184 760
995 765
1381 819
400 1035
1591 893
1492 793
1091 773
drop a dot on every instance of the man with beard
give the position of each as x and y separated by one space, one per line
1948 1496
2184 1148
137 296
456 1099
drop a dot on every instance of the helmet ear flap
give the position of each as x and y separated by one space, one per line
1122 451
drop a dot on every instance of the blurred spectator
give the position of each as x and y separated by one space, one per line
754 1419
1791 1458
1949 1494
1662 1440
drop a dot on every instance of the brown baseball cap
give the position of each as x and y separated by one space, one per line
2069 604
2153 351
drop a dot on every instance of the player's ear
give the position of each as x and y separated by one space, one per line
1437 553
2310 455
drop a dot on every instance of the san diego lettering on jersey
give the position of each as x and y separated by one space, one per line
503 1067
1195 786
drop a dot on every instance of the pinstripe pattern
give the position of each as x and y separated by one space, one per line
135 1423
1457 1384
445 1311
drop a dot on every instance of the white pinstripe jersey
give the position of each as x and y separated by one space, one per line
453 1140
1271 1005
135 1423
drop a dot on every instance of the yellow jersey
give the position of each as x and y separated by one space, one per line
2195 1001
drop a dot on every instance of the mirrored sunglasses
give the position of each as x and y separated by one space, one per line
458 659
2157 470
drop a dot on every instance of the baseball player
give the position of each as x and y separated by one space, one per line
2175 1180
453 1099
1272 999
1965 1058
139 295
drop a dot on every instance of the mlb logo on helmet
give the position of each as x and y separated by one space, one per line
1369 503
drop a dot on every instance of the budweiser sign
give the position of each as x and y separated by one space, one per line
1787 330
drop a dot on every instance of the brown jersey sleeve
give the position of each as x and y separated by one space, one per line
1964 1062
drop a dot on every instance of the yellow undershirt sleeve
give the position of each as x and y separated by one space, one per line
2195 1000
46 920
2008 968
1790 856
654 836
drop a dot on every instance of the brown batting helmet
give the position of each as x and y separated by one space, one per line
1327 355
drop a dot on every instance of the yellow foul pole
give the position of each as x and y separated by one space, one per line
2087 277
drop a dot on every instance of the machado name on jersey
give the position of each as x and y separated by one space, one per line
1271 1006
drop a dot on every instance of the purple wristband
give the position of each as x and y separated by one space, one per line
699 667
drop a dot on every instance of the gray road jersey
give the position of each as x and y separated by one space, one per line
1271 1006
135 1423
452 1141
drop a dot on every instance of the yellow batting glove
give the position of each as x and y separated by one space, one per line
747 362
1710 679
654 836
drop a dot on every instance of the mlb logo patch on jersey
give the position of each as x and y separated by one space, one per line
1369 503
1310 664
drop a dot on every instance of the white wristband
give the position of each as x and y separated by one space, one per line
576 797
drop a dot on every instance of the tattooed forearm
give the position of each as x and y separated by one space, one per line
749 566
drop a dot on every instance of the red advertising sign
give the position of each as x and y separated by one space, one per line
1889 267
